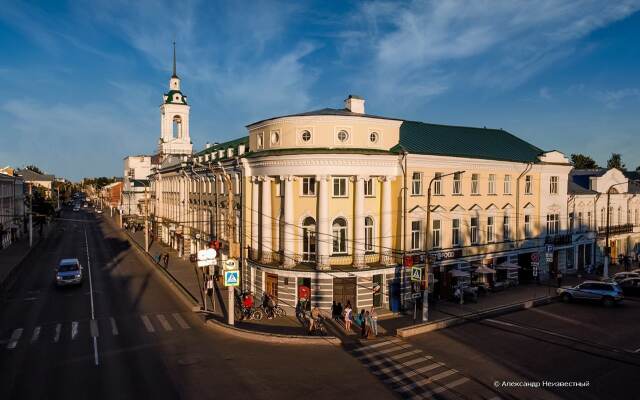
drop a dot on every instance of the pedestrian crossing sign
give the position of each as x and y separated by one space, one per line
416 274
231 278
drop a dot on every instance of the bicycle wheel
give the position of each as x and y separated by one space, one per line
280 312
257 315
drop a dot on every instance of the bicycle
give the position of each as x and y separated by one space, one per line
318 327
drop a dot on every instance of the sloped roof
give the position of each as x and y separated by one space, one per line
574 188
226 145
29 175
462 141
327 111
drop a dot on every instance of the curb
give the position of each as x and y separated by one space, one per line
273 338
172 282
453 321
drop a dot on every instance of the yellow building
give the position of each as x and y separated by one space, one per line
336 202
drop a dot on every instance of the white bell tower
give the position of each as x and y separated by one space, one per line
174 119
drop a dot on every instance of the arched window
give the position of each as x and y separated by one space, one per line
339 229
177 126
309 240
368 234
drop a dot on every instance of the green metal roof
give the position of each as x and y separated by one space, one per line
226 145
460 141
170 94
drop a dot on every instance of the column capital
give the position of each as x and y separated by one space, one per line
387 178
254 179
290 178
322 178
356 178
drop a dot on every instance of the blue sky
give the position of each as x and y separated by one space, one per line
82 81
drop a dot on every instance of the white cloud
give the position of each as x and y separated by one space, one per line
612 98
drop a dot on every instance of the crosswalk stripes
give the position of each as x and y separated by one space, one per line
407 370
59 332
147 324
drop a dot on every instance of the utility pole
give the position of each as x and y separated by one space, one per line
30 214
146 219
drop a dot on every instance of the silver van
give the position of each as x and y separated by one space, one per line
69 272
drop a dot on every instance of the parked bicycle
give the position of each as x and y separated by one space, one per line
255 313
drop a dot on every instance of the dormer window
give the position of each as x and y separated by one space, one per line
306 136
260 141
373 137
343 136
275 138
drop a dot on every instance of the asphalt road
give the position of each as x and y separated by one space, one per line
586 343
140 341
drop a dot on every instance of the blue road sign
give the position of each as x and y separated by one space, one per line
231 278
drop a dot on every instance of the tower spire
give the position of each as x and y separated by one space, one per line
174 61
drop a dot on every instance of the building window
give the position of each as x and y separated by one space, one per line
507 184
457 184
475 186
368 234
589 222
455 232
580 221
343 136
571 221
435 242
528 185
475 239
527 226
492 184
553 185
416 231
490 230
368 188
340 187
506 228
275 138
309 186
339 229
309 240
437 183
416 183
553 224
305 136
619 216
373 137
260 140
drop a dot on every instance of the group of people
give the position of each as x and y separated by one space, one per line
163 259
367 320
268 304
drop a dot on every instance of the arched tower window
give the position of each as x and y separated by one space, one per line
177 127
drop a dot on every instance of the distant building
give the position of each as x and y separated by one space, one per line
111 195
136 179
44 181
12 209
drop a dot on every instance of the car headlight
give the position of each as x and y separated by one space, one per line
58 277
77 276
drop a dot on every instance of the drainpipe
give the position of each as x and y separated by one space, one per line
526 170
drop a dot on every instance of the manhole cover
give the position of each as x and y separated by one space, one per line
189 360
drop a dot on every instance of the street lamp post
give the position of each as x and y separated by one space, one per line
425 296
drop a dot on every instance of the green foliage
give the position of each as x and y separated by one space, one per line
616 162
99 182
34 168
580 161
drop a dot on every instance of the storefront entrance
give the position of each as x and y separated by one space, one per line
344 290
271 285
377 290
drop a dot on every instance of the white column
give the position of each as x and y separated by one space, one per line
385 222
323 237
288 221
255 198
358 223
267 243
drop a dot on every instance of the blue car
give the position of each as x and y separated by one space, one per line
606 293
69 272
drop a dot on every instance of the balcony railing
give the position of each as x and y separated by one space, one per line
277 258
615 230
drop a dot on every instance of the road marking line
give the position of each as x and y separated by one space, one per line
163 321
402 365
93 325
440 389
56 337
93 312
36 334
377 353
412 373
147 323
74 330
426 381
373 346
396 357
114 328
180 321
15 336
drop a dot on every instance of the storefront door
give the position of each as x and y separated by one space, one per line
344 290
377 290
271 285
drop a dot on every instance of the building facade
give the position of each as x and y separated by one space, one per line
135 184
12 209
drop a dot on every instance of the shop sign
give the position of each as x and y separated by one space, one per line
445 255
206 257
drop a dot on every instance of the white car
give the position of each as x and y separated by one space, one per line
624 275
99 211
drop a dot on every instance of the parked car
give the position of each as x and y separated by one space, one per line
624 275
76 208
99 211
630 286
69 272
607 293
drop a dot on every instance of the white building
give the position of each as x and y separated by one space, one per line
135 182
12 209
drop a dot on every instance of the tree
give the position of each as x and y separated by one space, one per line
616 162
580 161
34 169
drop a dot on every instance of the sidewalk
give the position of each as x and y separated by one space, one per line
191 279
12 256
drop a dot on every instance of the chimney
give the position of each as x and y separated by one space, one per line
355 104
207 145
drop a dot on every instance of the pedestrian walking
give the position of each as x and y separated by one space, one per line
374 321
334 310
559 278
210 288
159 258
363 324
339 312
347 317
166 261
